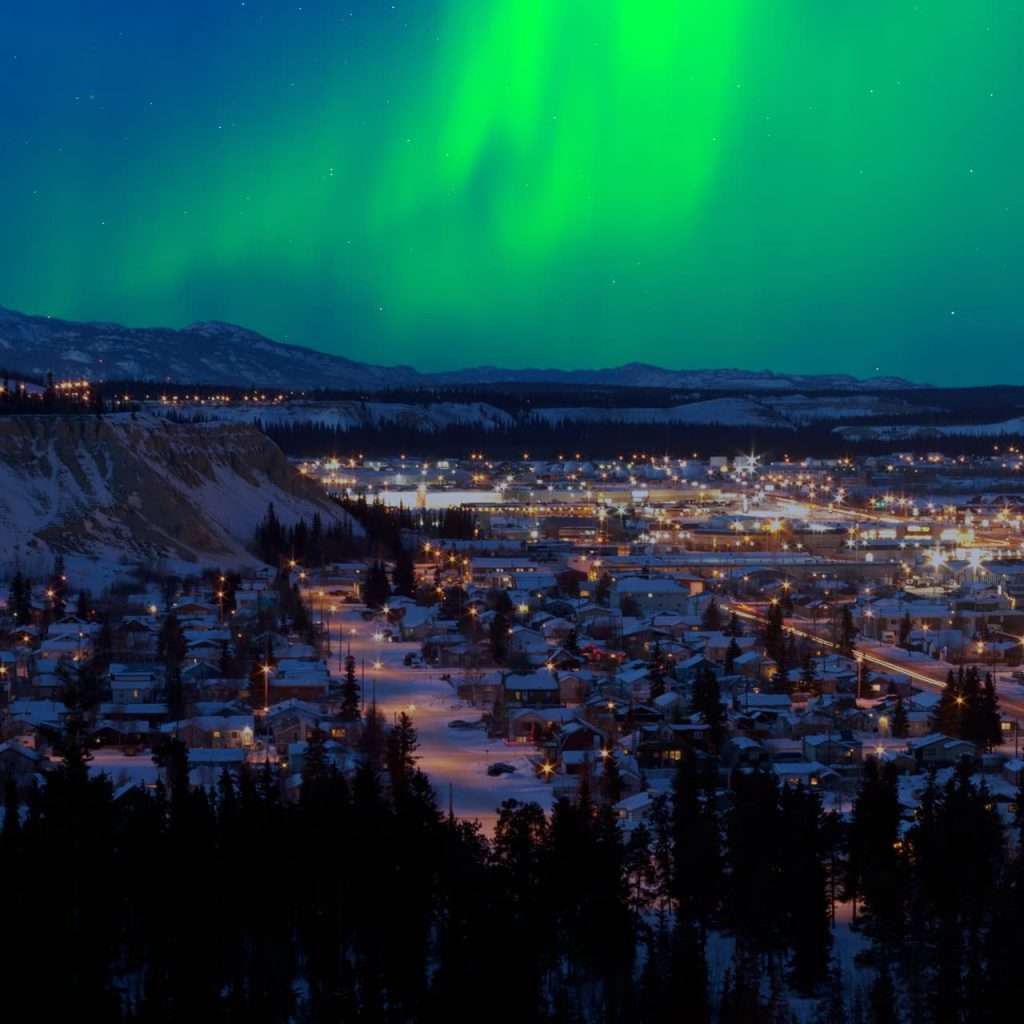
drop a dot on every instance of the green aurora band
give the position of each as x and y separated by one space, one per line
801 185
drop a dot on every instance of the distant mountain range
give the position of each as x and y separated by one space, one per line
219 353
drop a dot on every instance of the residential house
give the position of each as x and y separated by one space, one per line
134 684
531 689
527 646
651 595
303 679
935 749
832 748
806 773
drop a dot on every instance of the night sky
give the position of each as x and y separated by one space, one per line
803 185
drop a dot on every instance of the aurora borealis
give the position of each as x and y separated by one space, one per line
806 185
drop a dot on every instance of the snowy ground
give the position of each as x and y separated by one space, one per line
124 770
452 758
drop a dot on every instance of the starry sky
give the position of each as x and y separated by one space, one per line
801 185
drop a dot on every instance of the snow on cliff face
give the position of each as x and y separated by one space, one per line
142 490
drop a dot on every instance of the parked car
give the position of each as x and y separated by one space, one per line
500 768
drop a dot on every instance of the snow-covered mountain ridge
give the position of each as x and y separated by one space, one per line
218 353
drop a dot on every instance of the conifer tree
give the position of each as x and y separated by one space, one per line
882 1007
611 779
875 868
376 589
707 701
906 627
19 601
948 712
498 635
315 768
712 616
900 724
990 729
808 679
773 635
172 648
846 633
404 575
732 652
350 710
401 747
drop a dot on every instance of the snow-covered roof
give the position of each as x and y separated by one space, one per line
539 680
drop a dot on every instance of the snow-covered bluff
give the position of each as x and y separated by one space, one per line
781 411
124 490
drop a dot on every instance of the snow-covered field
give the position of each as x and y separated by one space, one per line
909 432
343 415
733 411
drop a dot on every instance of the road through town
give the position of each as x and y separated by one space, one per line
456 760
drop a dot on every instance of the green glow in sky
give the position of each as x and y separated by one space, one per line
803 186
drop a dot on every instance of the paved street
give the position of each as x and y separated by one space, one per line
451 757
923 670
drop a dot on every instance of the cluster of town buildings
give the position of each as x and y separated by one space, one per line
581 625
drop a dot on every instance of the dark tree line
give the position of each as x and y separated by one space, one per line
605 438
365 901
940 897
969 708
384 523
307 543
